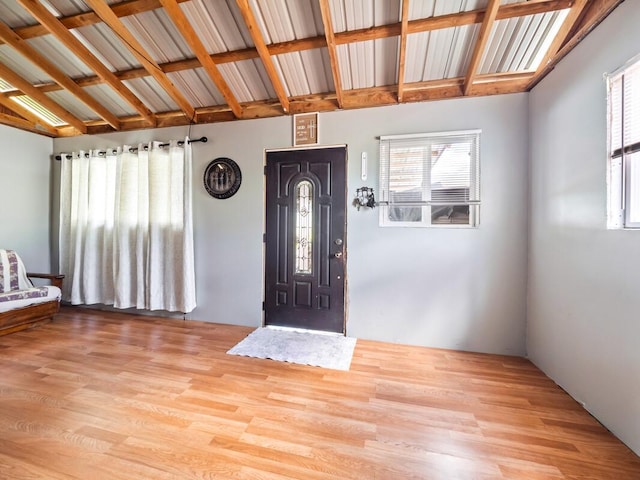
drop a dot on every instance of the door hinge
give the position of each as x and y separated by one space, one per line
264 238
263 306
265 169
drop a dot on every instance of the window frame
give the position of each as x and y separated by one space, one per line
619 160
426 203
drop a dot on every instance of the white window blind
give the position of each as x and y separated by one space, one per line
624 147
430 179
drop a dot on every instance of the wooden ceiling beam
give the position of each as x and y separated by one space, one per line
168 67
121 9
56 28
131 7
182 23
30 53
413 26
23 124
532 7
322 103
263 51
36 123
452 20
403 48
453 88
561 36
27 89
298 45
381 96
104 11
326 102
481 43
261 109
593 13
331 47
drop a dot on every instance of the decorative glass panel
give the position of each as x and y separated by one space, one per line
304 226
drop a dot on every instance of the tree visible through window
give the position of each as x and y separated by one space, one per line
430 179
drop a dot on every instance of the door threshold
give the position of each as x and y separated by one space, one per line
305 330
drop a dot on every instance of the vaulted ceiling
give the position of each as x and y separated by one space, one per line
69 67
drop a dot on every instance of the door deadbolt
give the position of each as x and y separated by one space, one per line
338 254
338 241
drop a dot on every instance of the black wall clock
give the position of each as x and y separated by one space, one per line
222 178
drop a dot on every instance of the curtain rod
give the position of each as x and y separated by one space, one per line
180 142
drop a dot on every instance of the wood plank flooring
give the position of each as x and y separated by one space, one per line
96 395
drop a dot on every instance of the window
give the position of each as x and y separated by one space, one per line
304 226
429 180
624 147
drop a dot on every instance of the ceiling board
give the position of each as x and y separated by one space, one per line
274 57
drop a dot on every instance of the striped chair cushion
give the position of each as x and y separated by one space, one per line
13 275
29 293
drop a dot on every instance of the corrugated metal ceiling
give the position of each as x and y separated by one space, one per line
366 39
518 44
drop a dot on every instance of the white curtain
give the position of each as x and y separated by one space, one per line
126 229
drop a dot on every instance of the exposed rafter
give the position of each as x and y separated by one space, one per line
53 25
23 124
594 13
84 19
27 89
135 47
180 20
54 72
561 36
481 43
513 10
461 19
36 123
524 8
494 84
403 48
263 52
260 19
331 46
385 31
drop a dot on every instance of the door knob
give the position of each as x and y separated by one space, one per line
337 254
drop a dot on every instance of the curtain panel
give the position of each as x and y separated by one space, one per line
126 227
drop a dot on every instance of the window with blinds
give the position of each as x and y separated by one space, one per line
624 146
430 179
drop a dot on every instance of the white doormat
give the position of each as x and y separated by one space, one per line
306 348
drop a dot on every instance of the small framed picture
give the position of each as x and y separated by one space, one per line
305 129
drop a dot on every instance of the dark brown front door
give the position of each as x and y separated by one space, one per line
306 238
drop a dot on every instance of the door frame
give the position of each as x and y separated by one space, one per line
264 227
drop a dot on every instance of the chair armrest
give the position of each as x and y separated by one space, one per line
55 279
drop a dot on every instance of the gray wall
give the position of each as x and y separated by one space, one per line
24 196
584 301
450 288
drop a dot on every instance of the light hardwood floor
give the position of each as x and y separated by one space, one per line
98 395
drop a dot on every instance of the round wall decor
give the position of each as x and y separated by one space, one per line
222 178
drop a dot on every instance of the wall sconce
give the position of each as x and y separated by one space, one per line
364 198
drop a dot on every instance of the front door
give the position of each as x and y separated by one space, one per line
306 238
